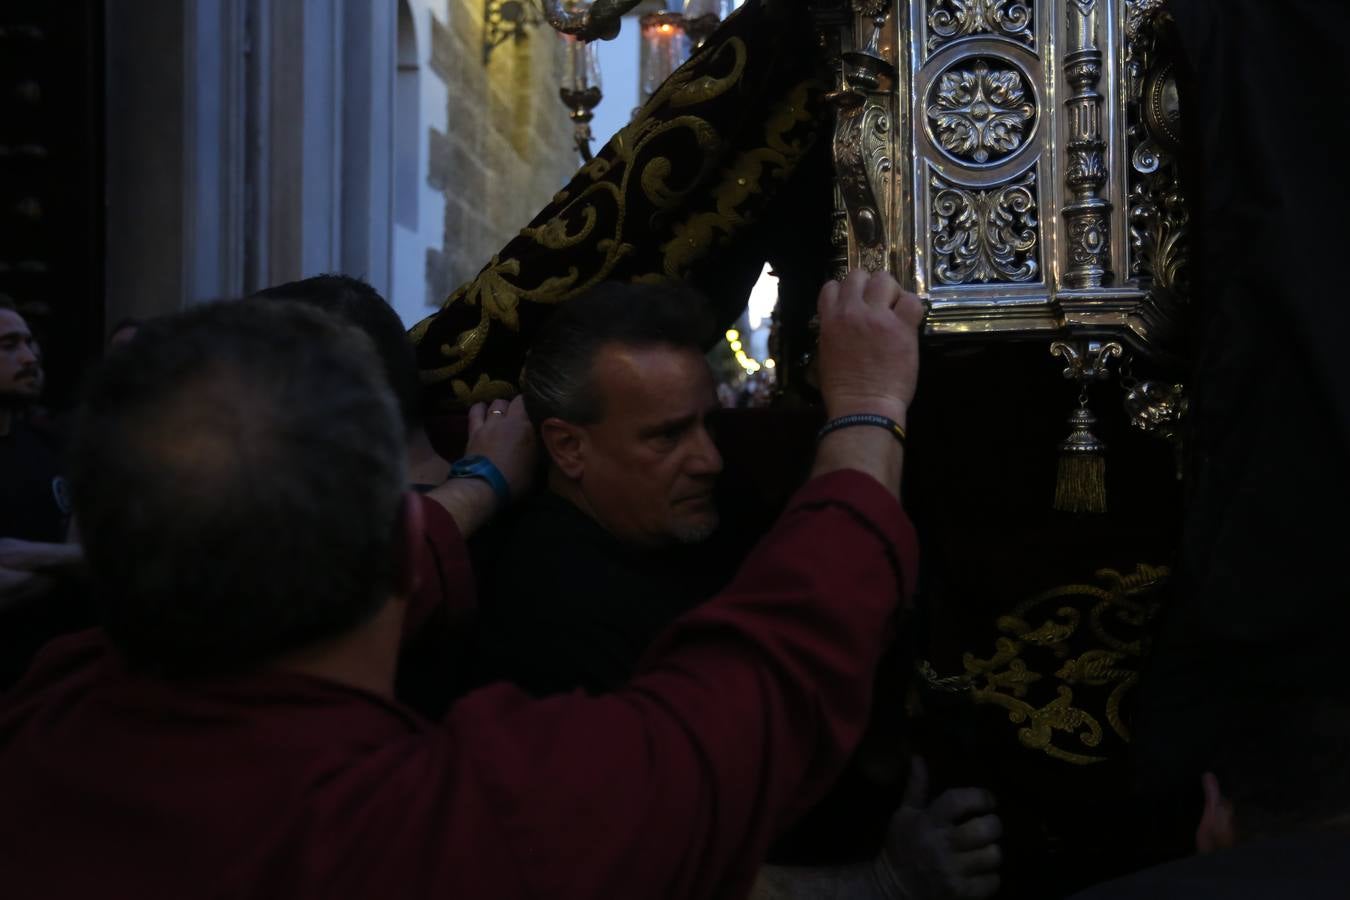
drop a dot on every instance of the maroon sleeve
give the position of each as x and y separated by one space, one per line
743 712
444 578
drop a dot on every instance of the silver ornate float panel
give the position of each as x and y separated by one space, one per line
1014 162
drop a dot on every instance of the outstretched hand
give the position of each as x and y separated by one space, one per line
944 850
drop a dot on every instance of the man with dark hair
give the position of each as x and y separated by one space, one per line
34 510
356 302
31 497
434 666
213 442
39 595
353 300
1274 812
241 708
618 548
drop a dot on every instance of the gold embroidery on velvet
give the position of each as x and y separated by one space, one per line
691 238
1005 678
500 298
467 344
485 390
684 88
553 233
579 210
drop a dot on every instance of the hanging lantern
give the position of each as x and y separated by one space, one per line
580 89
665 47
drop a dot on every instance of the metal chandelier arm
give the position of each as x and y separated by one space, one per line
598 21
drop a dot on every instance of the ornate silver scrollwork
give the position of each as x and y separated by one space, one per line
1029 189
1140 14
981 111
949 20
1158 218
1087 360
839 236
863 141
1086 217
863 165
873 12
981 236
1157 408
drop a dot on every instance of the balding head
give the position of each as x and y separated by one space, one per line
237 480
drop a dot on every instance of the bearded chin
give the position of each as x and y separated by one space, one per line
695 532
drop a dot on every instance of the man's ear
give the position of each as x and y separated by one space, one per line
565 444
1218 828
409 545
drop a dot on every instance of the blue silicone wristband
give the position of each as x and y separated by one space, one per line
484 468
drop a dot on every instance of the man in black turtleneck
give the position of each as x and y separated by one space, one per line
618 546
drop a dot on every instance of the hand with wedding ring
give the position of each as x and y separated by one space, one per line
502 432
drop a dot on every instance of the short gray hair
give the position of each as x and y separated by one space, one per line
558 380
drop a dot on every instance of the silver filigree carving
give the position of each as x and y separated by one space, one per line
981 114
1141 14
1158 217
1157 408
950 20
863 167
876 136
1087 216
872 13
863 140
979 236
839 236
1087 360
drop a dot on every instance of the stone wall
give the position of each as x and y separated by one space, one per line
507 145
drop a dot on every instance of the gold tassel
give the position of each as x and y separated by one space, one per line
1080 486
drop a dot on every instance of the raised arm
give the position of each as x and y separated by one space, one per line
745 710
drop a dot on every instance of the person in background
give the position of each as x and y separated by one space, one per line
1274 812
34 504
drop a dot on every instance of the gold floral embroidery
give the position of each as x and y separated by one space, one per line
1064 728
485 390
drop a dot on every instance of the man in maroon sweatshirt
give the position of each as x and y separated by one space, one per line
232 731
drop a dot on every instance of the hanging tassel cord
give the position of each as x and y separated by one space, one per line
1080 482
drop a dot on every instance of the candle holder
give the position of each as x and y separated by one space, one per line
665 46
580 90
